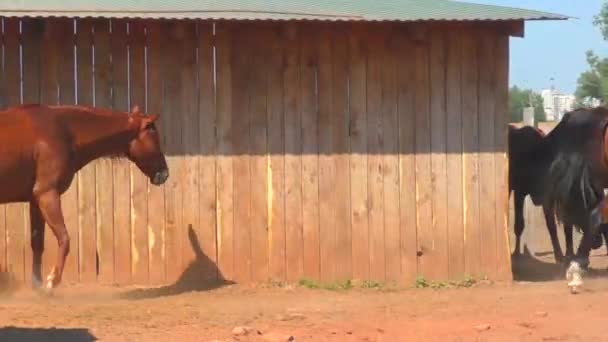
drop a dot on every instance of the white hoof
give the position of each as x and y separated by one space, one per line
574 277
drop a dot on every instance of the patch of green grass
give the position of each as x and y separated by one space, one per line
422 283
340 285
370 284
309 284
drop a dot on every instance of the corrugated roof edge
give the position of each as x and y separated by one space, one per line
262 16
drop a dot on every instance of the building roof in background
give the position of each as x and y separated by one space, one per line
325 10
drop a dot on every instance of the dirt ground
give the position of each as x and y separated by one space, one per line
534 308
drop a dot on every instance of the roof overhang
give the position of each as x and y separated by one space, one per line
273 10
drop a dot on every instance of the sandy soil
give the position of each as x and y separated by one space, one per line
536 307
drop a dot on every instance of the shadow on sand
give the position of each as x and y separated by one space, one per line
8 334
526 267
201 275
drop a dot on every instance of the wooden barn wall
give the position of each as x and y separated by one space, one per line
319 151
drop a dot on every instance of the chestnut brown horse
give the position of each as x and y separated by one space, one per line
525 179
575 154
41 149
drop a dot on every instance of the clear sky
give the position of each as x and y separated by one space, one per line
553 49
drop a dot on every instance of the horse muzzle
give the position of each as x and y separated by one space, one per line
160 177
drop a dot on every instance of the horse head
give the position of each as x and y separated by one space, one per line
145 149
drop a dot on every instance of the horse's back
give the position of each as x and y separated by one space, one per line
525 167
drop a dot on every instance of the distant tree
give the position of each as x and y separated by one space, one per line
521 98
593 83
601 20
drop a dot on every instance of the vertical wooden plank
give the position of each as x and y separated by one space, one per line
49 95
390 128
31 35
375 148
470 140
358 157
438 155
103 167
156 195
139 181
207 139
340 151
501 176
173 123
241 124
454 157
225 181
258 163
293 157
424 204
327 167
309 71
3 100
3 104
487 191
407 156
87 178
120 167
277 191
191 144
15 212
63 37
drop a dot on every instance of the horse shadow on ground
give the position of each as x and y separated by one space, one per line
8 334
201 275
526 267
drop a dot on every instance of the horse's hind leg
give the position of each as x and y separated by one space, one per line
550 220
569 243
519 220
37 243
50 206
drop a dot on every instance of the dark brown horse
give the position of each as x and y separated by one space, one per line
525 178
42 147
575 157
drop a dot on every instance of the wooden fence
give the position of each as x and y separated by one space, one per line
327 151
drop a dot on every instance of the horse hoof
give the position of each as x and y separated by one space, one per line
574 289
36 283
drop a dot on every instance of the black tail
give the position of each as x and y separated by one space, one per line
570 189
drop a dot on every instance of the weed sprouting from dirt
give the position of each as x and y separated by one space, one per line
333 286
422 283
343 285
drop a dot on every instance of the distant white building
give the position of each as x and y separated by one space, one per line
556 104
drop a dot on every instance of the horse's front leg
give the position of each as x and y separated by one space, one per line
575 270
50 207
37 243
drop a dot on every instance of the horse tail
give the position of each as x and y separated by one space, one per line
570 189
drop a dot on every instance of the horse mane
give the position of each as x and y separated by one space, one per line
570 186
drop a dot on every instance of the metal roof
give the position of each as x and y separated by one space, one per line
332 10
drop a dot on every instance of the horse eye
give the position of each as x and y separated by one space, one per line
151 128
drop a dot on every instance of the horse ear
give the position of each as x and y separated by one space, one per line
152 118
148 120
135 109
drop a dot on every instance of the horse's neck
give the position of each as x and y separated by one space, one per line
95 136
